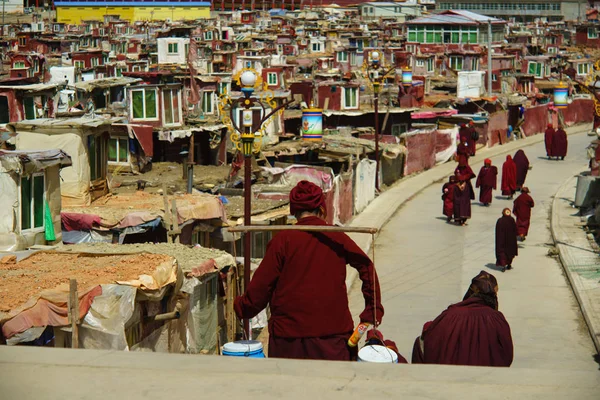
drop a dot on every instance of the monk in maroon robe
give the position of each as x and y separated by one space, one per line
522 209
506 240
448 198
509 177
560 143
472 332
548 135
465 173
462 203
487 181
522 163
302 277
462 153
472 142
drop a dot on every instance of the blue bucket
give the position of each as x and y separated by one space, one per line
244 348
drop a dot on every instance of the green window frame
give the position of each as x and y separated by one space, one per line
144 104
33 190
173 48
272 78
117 150
350 97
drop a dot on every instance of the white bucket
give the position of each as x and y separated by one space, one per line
377 354
244 348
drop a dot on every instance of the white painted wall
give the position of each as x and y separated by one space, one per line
179 57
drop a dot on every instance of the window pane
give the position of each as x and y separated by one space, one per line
412 36
38 201
112 150
168 106
122 150
29 108
175 96
150 104
25 203
137 98
92 154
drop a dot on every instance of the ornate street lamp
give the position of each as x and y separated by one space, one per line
375 77
244 138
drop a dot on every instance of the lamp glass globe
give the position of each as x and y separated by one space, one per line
248 78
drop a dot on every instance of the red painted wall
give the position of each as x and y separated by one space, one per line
335 97
496 128
421 150
580 110
536 120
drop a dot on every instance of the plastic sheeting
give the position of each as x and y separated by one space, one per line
364 188
104 325
290 176
446 154
77 237
202 314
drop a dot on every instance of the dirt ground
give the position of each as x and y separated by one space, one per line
206 177
27 278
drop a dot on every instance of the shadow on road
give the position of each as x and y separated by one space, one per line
503 198
494 267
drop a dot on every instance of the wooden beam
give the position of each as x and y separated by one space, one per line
73 313
305 228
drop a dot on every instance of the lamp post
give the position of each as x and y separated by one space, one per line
243 136
376 78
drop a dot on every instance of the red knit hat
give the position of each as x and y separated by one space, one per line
306 196
487 161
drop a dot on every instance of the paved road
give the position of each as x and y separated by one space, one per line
425 264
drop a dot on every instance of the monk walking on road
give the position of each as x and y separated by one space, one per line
560 143
522 209
472 332
302 278
487 181
506 240
522 163
548 136
462 203
448 198
509 177
465 173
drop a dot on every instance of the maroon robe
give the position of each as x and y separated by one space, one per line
509 177
302 277
467 333
522 163
471 141
559 143
448 197
487 181
548 135
506 240
522 209
465 173
462 203
462 154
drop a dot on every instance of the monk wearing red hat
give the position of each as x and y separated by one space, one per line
522 209
487 181
302 277
548 135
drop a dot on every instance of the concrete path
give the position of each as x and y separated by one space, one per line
425 264
581 263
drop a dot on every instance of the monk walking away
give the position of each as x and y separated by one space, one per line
522 209
487 181
472 332
448 198
462 203
509 177
506 240
302 278
560 143
522 164
548 135
465 173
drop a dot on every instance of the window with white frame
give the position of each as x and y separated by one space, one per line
430 64
316 47
173 48
494 78
583 69
342 56
32 201
171 106
349 98
19 65
353 59
456 63
535 68
79 64
208 35
398 129
144 104
474 64
592 33
119 72
117 150
410 48
420 62
272 79
223 88
208 103
22 41
94 62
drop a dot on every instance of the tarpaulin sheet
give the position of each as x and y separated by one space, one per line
143 134
364 187
202 315
445 144
290 176
343 198
137 218
78 221
76 237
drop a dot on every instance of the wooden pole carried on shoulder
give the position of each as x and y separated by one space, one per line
305 228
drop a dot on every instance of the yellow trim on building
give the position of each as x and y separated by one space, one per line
75 14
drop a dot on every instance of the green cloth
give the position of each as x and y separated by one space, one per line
48 224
